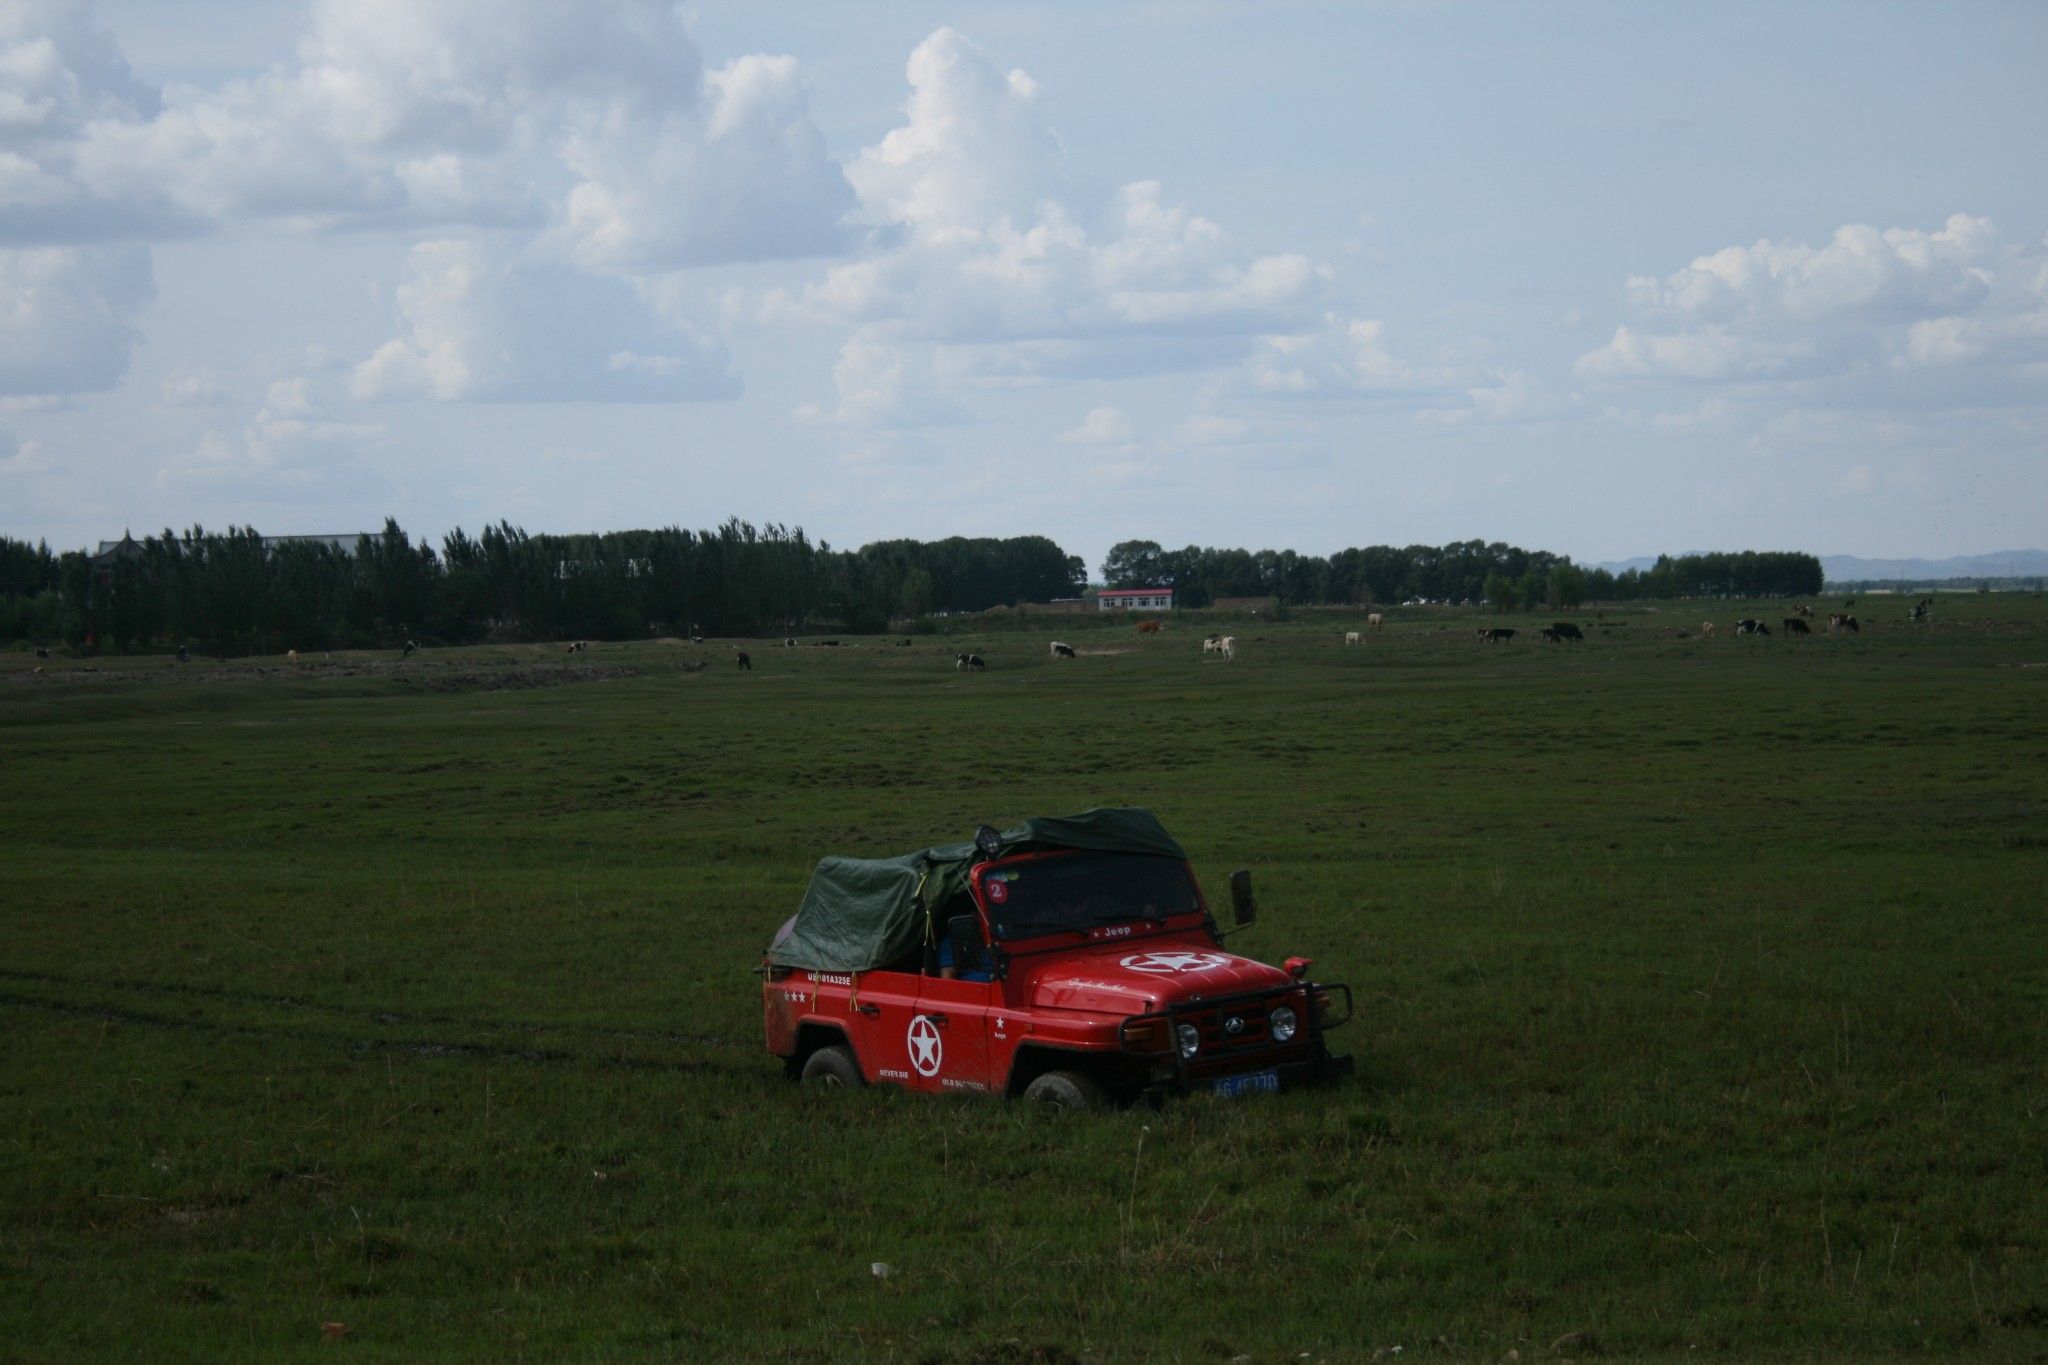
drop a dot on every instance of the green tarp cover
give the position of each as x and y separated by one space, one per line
859 913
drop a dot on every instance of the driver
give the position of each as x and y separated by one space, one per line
950 970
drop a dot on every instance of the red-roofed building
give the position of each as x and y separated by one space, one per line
1134 599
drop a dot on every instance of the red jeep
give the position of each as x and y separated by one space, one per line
1068 960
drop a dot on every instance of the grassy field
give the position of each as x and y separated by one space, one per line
1703 996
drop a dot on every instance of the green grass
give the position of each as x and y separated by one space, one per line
1703 996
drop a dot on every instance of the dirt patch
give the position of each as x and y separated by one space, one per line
513 679
1098 653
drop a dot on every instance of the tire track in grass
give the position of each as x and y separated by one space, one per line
368 1014
411 1046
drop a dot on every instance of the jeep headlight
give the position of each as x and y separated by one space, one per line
1190 1039
1283 1024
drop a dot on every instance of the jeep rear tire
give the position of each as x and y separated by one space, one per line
832 1068
1067 1090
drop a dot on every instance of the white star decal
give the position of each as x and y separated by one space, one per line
926 1047
1167 963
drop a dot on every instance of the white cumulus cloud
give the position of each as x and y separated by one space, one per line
1869 301
599 118
68 317
980 241
474 324
1102 427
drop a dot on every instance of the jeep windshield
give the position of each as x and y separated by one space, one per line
1082 892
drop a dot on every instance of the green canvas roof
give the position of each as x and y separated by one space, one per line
859 913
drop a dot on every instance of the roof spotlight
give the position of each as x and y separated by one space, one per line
989 840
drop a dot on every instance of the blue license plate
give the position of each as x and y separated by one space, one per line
1265 1082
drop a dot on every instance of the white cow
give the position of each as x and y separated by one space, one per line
1375 620
1227 647
1212 644
1351 637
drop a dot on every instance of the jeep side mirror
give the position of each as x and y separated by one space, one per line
1242 902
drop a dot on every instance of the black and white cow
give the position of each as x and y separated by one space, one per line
966 662
1494 635
1062 651
1843 621
1749 625
746 664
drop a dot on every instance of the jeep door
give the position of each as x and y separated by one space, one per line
948 1042
878 1015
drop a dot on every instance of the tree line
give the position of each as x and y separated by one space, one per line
230 592
233 592
1502 575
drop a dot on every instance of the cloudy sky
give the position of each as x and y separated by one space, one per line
1606 280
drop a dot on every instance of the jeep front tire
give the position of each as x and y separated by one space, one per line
832 1068
1067 1090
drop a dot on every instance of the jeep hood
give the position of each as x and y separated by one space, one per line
1139 978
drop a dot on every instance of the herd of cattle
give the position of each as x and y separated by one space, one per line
1556 633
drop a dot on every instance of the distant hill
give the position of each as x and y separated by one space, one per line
2003 564
1852 569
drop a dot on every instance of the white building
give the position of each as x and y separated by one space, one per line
1134 599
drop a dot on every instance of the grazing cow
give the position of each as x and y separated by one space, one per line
1706 630
1494 635
746 664
1549 633
1843 621
789 642
1921 610
1062 648
1352 637
1794 626
1148 627
1375 620
410 646
965 662
184 655
1211 644
1227 647
1565 630
1749 625
42 653
1802 610
292 655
